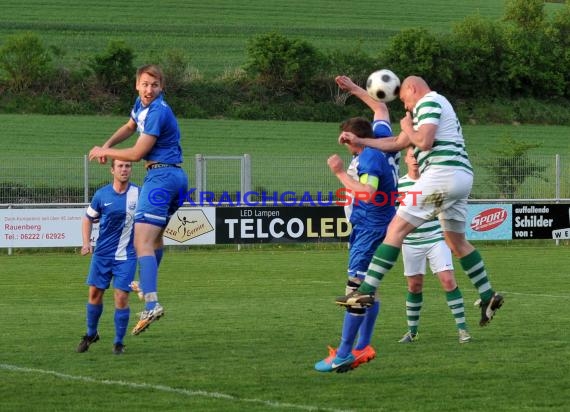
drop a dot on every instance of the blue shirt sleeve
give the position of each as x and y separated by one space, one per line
93 211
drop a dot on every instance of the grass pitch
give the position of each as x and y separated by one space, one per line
60 142
214 34
242 331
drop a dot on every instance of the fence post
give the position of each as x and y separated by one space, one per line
246 174
557 189
10 248
558 175
85 179
199 176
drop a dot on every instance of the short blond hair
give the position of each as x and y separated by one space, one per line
152 70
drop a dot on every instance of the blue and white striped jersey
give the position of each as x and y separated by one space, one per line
115 212
158 120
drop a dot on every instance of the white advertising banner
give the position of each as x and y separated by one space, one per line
37 228
21 228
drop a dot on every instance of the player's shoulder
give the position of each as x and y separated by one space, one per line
405 182
160 105
372 160
373 154
104 190
102 194
381 128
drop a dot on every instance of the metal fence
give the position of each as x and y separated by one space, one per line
29 180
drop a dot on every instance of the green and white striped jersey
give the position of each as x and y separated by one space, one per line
449 147
429 232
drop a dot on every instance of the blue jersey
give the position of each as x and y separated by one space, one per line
381 128
378 214
157 119
115 212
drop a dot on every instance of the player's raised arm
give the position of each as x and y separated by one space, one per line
386 144
379 108
121 134
144 144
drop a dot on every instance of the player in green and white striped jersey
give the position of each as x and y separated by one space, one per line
427 243
431 125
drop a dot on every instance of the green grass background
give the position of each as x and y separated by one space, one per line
214 34
242 331
53 136
48 150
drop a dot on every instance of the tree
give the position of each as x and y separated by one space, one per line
525 14
558 33
479 43
280 63
176 67
114 67
512 166
25 61
419 52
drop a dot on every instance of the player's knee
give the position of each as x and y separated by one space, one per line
447 280
415 283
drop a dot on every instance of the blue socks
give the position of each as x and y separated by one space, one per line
93 314
121 323
367 326
350 328
158 254
148 274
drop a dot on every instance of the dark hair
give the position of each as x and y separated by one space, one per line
357 125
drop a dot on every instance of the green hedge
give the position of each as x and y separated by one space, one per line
513 70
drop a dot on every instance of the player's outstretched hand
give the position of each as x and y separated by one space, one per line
99 154
346 83
347 137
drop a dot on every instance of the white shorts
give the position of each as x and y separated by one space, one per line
440 192
437 254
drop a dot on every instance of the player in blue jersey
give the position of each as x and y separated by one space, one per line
370 180
445 182
164 186
114 258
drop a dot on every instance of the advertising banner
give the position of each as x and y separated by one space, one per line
489 222
531 221
26 228
40 227
281 224
191 226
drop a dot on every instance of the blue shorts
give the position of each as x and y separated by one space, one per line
363 244
102 270
162 193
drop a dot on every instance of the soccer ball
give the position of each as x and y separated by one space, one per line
383 85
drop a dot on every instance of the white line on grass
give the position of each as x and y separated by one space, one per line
163 388
538 295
